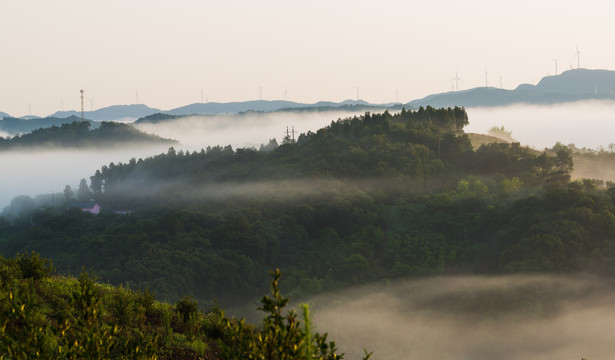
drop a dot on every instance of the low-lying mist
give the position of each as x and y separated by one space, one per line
49 171
37 172
243 130
587 124
473 317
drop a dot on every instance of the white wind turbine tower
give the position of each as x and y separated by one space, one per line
260 92
555 60
577 55
456 81
486 78
500 81
357 87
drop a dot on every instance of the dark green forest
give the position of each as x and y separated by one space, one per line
368 198
79 135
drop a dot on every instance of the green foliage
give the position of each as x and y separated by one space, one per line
388 195
25 266
187 307
501 132
281 337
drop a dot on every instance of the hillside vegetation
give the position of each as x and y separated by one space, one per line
367 198
45 316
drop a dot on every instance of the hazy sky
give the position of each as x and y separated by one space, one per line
318 50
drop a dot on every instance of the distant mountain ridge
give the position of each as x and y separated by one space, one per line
569 86
114 112
216 108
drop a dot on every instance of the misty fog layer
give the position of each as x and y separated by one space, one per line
473 317
243 130
586 124
44 172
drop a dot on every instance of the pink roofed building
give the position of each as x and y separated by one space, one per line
90 207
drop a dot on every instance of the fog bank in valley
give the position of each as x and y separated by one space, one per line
243 130
49 171
473 317
44 172
587 124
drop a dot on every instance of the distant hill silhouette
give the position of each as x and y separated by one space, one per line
3 115
115 112
14 126
353 106
79 134
569 86
579 81
213 108
572 85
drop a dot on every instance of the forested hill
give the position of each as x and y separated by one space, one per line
427 145
366 198
78 135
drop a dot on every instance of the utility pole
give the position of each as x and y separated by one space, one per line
290 135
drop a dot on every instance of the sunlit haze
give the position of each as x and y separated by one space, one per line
168 54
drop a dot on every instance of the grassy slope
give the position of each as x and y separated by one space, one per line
480 139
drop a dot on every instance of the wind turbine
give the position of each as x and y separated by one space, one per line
260 92
456 79
357 87
577 55
285 95
500 81
486 78
555 65
62 103
137 96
